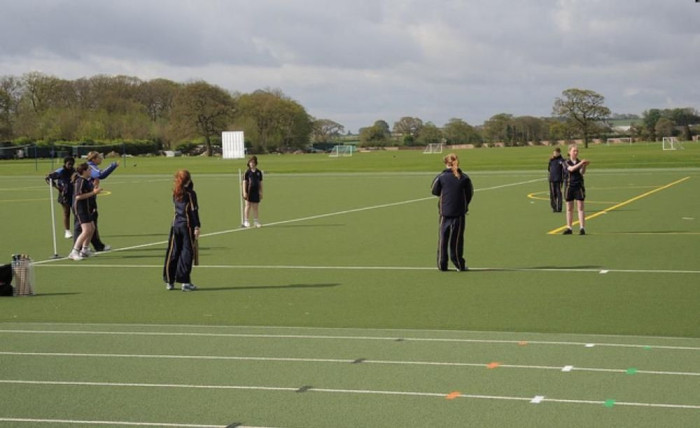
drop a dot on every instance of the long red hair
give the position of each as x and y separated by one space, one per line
182 179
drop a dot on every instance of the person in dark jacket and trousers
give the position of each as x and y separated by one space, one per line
455 190
61 180
556 179
184 231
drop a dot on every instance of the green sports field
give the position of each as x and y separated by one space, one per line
333 314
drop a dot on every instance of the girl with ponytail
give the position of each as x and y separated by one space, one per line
455 191
184 233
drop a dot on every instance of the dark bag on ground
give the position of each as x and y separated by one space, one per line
6 280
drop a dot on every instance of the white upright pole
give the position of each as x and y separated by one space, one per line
240 193
53 219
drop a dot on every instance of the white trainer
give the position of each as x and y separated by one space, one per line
246 224
257 224
68 234
75 255
188 287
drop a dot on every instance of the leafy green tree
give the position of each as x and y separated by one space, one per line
430 134
10 95
326 131
583 108
664 127
272 121
377 135
409 128
202 110
649 119
457 131
499 128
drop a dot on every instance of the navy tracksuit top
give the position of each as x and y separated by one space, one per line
455 193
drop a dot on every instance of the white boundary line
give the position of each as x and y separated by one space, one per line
121 423
301 219
341 361
301 389
394 268
339 337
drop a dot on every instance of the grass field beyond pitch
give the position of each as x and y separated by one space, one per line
333 313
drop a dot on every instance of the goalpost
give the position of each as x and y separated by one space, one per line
433 148
341 151
671 143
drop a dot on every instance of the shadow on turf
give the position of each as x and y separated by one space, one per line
267 287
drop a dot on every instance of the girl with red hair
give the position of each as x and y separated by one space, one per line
184 232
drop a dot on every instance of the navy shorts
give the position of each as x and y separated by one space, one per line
577 193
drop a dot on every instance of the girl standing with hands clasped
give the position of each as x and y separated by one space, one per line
252 191
84 210
183 234
455 190
575 190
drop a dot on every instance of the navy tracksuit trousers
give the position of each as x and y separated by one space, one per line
451 242
180 255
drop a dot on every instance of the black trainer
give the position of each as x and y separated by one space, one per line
567 232
582 232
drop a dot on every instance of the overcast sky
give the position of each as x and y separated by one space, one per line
358 61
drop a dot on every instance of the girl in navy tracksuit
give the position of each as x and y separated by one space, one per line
455 190
556 179
61 180
183 234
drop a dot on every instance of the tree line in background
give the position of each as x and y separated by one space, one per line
43 109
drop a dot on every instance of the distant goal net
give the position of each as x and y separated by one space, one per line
671 143
433 148
618 140
341 151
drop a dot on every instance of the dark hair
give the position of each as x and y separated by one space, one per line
67 159
79 170
252 159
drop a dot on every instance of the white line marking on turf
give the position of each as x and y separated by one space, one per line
334 360
341 391
338 337
121 423
313 217
537 400
389 268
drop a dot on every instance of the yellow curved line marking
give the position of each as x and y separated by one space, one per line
621 204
